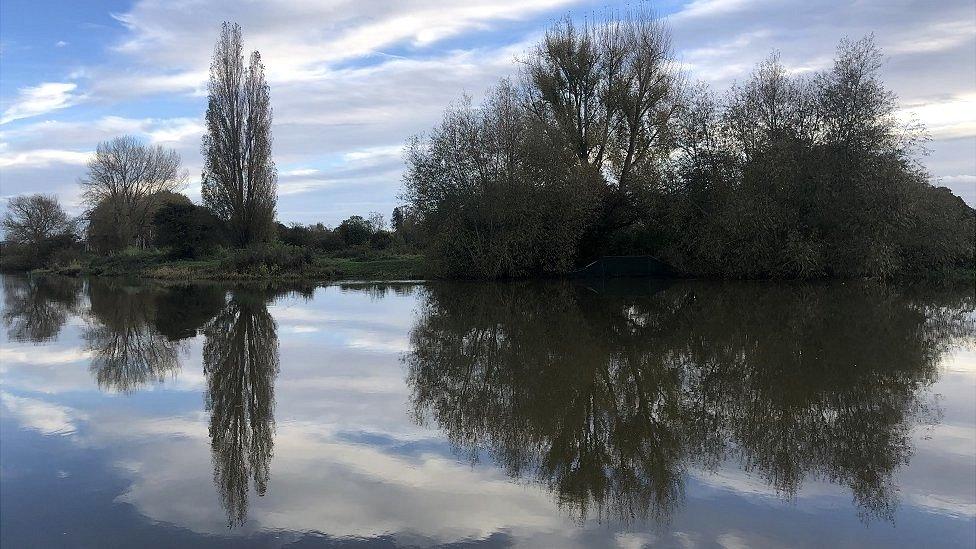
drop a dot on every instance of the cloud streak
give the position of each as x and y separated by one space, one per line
41 99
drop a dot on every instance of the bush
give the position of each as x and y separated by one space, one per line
186 229
267 259
354 231
381 240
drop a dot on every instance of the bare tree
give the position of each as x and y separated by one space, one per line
239 177
34 219
376 221
128 176
607 91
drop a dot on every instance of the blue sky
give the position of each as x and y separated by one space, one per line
351 81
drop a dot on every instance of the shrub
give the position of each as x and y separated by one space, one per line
265 259
187 230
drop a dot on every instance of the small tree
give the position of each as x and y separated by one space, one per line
125 178
354 231
35 227
34 219
396 220
376 222
239 177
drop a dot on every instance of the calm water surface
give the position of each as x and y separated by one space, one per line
626 415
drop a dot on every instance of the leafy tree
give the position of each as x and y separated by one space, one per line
186 229
601 150
354 231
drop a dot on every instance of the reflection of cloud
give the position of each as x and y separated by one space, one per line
50 419
300 329
370 384
38 356
368 341
365 490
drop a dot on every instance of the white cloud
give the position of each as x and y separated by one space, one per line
945 119
40 99
42 157
60 44
298 172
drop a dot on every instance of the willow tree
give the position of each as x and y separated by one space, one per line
239 177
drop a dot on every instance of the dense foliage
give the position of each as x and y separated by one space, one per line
807 177
600 150
186 229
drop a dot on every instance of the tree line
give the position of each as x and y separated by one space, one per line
599 147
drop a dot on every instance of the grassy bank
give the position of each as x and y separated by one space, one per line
279 262
285 262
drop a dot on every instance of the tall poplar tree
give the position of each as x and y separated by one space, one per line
239 177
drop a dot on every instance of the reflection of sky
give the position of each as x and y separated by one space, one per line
350 463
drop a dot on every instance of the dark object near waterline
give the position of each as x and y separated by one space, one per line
624 265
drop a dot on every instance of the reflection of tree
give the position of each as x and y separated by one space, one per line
127 349
608 397
135 330
36 308
241 362
184 309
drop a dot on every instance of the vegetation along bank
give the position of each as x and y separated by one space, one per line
597 147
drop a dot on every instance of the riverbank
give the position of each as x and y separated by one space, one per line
238 266
301 264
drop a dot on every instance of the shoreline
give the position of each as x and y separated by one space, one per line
322 269
394 268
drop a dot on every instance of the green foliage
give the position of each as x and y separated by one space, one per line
354 231
786 177
266 259
494 195
800 178
189 231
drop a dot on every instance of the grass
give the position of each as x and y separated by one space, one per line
248 265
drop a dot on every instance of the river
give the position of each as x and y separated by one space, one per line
622 413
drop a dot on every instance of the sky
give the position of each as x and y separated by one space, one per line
352 80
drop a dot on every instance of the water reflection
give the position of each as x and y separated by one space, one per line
128 350
240 360
134 336
37 308
609 396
